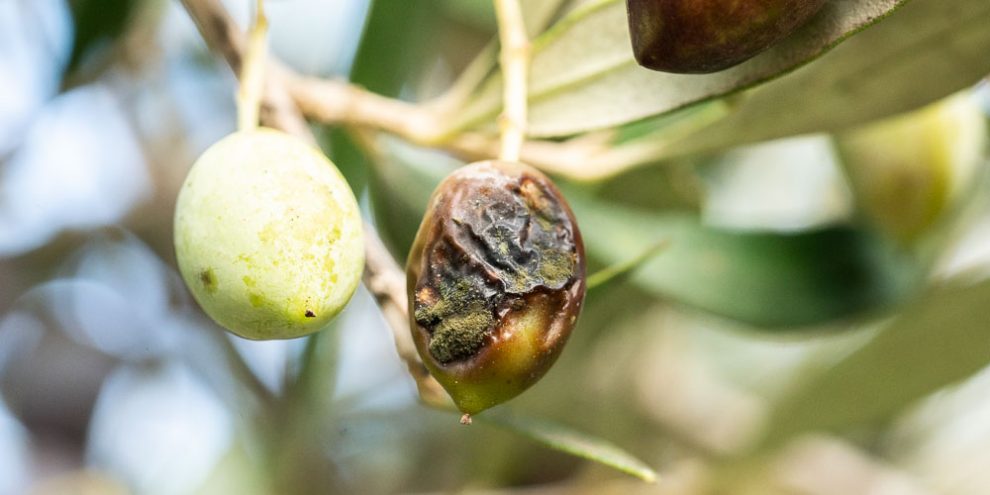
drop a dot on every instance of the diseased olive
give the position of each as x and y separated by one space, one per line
496 278
268 236
702 36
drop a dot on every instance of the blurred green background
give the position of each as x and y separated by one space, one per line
817 322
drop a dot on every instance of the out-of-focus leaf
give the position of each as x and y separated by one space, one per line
536 13
909 171
924 51
481 13
478 13
583 75
97 23
237 472
383 68
559 437
346 155
940 340
403 179
392 45
767 279
668 186
390 52
318 368
619 271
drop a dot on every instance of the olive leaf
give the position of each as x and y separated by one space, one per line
768 279
939 341
583 75
621 270
537 15
559 437
97 24
402 180
925 51
380 68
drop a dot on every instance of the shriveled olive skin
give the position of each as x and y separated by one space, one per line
496 279
702 36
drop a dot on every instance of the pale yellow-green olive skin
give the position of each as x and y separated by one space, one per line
268 236
911 171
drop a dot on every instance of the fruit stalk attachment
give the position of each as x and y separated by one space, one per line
514 59
253 72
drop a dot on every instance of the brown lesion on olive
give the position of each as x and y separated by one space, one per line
310 313
460 335
454 309
536 198
209 280
494 242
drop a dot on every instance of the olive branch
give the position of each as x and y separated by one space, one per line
278 98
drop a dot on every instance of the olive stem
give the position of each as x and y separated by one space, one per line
335 102
253 72
386 282
514 60
288 96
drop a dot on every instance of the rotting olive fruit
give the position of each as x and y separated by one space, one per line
702 36
268 235
496 279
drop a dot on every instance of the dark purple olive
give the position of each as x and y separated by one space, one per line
496 278
702 36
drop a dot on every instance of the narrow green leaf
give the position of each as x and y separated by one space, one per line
939 341
477 13
618 270
768 279
564 439
537 14
379 67
314 384
403 179
96 26
924 51
584 77
673 186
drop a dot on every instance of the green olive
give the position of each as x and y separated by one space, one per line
910 171
496 279
268 236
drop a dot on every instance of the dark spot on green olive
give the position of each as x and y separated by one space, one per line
209 280
310 314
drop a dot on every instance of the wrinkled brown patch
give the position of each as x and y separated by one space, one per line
493 237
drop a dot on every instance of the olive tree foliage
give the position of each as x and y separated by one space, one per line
882 91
